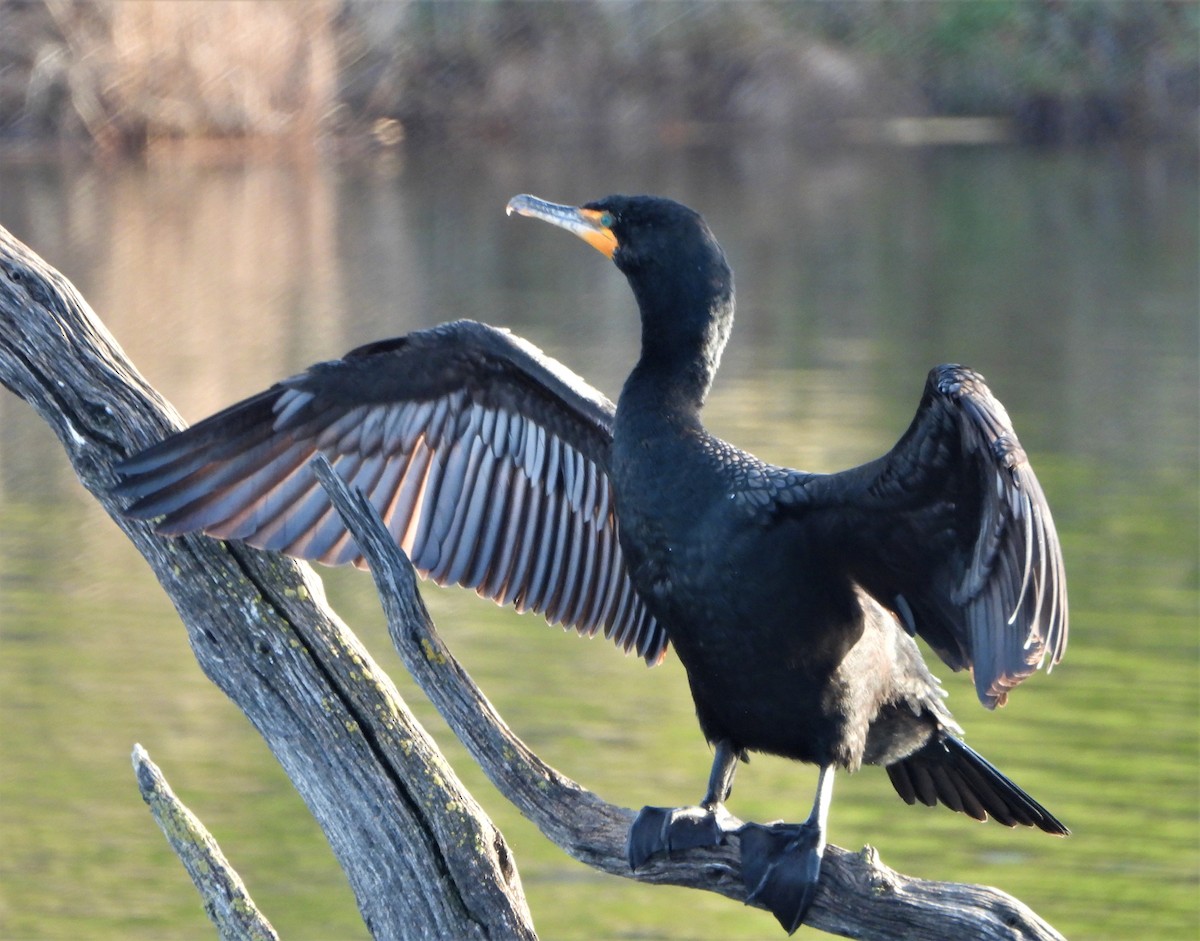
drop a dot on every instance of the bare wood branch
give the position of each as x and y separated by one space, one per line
261 632
226 900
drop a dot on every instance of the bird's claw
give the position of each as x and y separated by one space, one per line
672 829
781 865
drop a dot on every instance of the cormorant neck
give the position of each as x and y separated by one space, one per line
686 320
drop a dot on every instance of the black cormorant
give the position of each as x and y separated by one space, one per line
791 598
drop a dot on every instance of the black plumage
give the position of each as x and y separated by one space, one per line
790 597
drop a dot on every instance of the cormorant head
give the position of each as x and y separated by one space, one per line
647 237
678 272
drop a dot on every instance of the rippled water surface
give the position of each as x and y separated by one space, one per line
1068 279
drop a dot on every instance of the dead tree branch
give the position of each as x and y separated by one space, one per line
226 900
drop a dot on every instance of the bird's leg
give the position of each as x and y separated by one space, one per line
669 829
781 863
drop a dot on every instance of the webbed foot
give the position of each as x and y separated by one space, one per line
781 865
671 829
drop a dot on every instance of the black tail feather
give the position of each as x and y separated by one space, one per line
947 771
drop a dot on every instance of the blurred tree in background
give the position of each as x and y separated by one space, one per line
1062 70
122 74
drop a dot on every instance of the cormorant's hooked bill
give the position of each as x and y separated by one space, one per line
594 226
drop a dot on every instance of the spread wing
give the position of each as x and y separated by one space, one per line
950 529
487 460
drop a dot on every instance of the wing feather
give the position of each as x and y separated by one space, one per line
510 547
424 549
464 535
551 557
524 568
571 588
408 503
491 519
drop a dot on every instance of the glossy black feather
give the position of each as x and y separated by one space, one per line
946 771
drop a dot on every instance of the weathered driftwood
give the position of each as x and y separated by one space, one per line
422 858
226 900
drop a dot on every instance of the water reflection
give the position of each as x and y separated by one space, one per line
1068 278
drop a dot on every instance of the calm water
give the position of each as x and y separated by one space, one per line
1070 280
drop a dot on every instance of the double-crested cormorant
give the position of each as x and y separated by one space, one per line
790 597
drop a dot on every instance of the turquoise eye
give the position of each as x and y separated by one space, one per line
606 219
